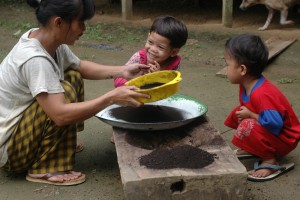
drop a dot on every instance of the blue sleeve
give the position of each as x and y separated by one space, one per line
271 120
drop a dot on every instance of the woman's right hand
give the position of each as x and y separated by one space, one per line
126 96
135 70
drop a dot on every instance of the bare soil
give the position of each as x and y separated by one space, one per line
202 59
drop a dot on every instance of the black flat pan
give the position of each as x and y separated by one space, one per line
168 113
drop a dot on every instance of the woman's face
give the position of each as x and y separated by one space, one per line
74 31
158 48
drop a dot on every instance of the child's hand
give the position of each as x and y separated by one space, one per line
154 67
135 70
244 113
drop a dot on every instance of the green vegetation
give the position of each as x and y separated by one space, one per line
117 33
19 18
286 80
2 55
11 1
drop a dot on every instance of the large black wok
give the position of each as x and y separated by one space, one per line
168 113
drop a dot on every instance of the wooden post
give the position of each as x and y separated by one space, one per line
126 9
227 13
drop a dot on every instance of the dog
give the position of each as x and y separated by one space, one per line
272 5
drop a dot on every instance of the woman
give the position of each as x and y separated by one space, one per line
41 90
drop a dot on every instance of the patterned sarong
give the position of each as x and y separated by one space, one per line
37 144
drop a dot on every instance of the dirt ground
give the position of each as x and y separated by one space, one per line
202 59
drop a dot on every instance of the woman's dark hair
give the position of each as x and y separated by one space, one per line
248 50
171 28
66 9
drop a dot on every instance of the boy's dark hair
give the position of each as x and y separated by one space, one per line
66 9
171 28
249 50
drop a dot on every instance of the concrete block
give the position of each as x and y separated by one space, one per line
225 178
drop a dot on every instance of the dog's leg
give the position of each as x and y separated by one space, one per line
283 17
269 19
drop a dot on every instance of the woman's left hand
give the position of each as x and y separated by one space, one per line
126 96
135 70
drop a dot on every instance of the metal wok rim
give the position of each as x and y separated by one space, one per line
156 126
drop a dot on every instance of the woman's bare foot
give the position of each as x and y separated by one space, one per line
261 173
58 178
79 147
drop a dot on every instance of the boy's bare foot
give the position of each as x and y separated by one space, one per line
261 173
112 140
241 152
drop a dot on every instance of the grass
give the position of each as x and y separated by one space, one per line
2 54
116 33
16 28
286 80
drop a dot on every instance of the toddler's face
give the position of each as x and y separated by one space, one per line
158 48
234 70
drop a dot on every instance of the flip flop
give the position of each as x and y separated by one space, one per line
45 179
79 147
278 170
244 156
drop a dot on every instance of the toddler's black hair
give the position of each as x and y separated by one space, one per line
171 28
248 50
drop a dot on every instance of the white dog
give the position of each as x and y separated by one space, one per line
272 5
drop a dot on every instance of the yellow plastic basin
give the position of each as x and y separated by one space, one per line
159 85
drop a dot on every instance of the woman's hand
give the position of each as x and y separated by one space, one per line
154 67
244 113
135 70
126 96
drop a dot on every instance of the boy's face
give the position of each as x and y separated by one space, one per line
158 48
235 71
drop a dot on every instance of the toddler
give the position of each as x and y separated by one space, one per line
165 38
266 125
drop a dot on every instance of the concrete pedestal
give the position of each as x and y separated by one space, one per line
225 178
